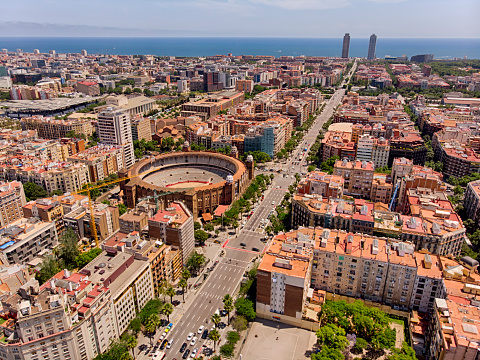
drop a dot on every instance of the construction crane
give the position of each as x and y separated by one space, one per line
93 226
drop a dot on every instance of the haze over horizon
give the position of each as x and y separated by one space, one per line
243 18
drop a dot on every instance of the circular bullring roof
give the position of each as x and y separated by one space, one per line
191 171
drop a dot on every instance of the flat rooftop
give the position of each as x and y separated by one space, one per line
47 104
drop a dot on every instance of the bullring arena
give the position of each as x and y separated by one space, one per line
201 179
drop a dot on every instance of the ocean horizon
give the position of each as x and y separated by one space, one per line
207 46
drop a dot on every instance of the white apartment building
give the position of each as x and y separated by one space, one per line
380 152
365 148
114 127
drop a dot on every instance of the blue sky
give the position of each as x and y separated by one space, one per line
295 18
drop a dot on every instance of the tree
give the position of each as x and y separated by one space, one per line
208 227
405 353
153 321
332 336
216 319
171 292
186 274
469 226
162 288
217 232
183 283
69 247
167 310
227 350
228 306
245 307
311 168
239 323
195 261
135 325
197 225
132 343
233 337
34 191
122 209
84 258
214 335
49 267
200 236
328 354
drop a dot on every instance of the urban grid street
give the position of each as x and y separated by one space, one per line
234 259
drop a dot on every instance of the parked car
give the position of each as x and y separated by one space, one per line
190 336
170 343
205 334
194 340
200 329
164 343
185 354
184 346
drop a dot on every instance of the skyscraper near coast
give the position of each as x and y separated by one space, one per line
371 47
346 45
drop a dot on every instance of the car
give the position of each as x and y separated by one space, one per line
164 343
194 340
205 334
176 302
255 249
169 345
190 336
162 337
243 244
194 352
185 354
143 347
184 346
169 326
200 329
223 313
167 330
273 202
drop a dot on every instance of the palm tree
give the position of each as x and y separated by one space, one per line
216 319
183 283
125 356
171 292
162 289
214 335
132 343
167 310
228 306
186 274
151 327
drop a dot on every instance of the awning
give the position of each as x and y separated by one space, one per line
207 217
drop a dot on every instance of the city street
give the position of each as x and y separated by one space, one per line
228 273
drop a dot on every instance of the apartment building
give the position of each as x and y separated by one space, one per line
106 220
453 331
141 128
471 201
114 128
174 226
365 148
134 220
22 240
283 277
358 177
437 229
89 88
129 280
382 189
321 183
244 85
407 144
380 152
338 143
48 210
429 283
51 128
12 199
102 161
212 104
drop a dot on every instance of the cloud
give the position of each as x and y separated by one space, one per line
388 1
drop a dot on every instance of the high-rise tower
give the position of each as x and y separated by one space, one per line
346 45
114 128
371 47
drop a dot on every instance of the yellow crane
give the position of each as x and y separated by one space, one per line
93 226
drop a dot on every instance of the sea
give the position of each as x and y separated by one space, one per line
205 46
